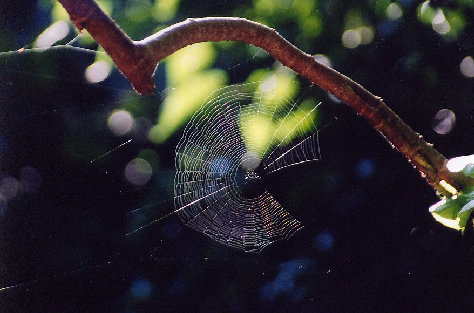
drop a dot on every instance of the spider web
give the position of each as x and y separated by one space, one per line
224 157
222 162
220 177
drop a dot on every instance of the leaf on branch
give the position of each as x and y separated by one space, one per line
454 212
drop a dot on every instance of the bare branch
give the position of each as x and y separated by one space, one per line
137 61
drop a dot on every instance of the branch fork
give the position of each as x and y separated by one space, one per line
137 61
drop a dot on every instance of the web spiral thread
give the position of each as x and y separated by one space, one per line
227 150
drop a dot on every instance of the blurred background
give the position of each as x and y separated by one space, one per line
69 172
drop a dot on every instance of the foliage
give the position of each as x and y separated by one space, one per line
454 212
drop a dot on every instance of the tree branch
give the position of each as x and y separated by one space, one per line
138 59
126 54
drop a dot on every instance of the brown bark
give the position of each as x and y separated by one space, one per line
137 60
126 54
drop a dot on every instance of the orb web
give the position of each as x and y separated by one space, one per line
228 148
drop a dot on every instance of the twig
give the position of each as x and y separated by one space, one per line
138 59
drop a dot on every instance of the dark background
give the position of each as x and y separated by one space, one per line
369 243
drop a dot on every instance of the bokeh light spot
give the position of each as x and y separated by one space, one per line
425 6
9 187
164 10
321 58
268 84
365 168
157 134
191 62
362 35
30 179
285 281
141 127
137 9
324 241
181 102
351 39
120 122
51 35
141 288
366 34
97 72
311 26
439 23
151 157
250 161
138 172
425 12
394 11
444 121
467 66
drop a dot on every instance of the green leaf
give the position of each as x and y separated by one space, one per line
465 212
454 212
446 208
468 170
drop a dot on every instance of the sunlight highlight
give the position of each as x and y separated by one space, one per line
454 224
449 188
278 86
51 35
299 121
181 102
189 60
459 163
164 10
256 132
